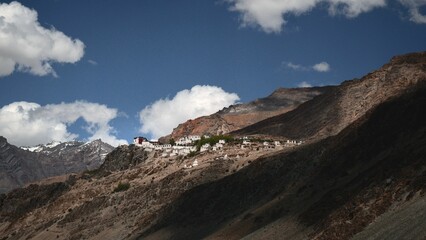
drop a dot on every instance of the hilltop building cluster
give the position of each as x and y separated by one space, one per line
166 150
188 144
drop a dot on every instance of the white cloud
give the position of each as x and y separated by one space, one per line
159 118
270 15
352 8
28 47
321 67
296 67
414 9
27 124
92 62
304 85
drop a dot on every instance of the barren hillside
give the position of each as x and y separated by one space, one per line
334 110
239 116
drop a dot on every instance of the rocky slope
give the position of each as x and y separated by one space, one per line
366 180
329 113
332 189
239 116
21 166
17 166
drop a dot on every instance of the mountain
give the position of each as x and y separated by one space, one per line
20 166
366 181
239 116
334 110
17 166
73 156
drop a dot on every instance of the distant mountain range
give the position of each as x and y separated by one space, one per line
361 174
20 166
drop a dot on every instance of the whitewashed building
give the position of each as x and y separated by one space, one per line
205 147
194 138
195 163
187 140
217 147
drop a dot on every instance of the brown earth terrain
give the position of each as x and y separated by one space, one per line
239 116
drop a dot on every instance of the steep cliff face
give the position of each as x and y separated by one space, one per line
123 157
239 116
329 113
21 166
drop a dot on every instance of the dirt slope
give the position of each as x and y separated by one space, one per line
332 189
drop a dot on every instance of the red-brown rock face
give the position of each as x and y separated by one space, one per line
242 115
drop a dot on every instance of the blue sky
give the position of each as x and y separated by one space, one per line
138 52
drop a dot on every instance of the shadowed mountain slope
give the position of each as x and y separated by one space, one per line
332 189
329 113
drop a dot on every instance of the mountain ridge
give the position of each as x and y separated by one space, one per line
244 114
336 109
20 166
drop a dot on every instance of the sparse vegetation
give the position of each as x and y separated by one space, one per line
122 187
91 172
192 154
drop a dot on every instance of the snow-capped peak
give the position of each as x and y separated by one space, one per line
33 149
52 144
42 147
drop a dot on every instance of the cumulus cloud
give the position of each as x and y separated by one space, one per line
319 67
27 123
304 85
28 47
414 9
270 15
159 118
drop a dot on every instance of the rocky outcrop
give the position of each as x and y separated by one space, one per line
19 167
123 157
331 112
239 116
